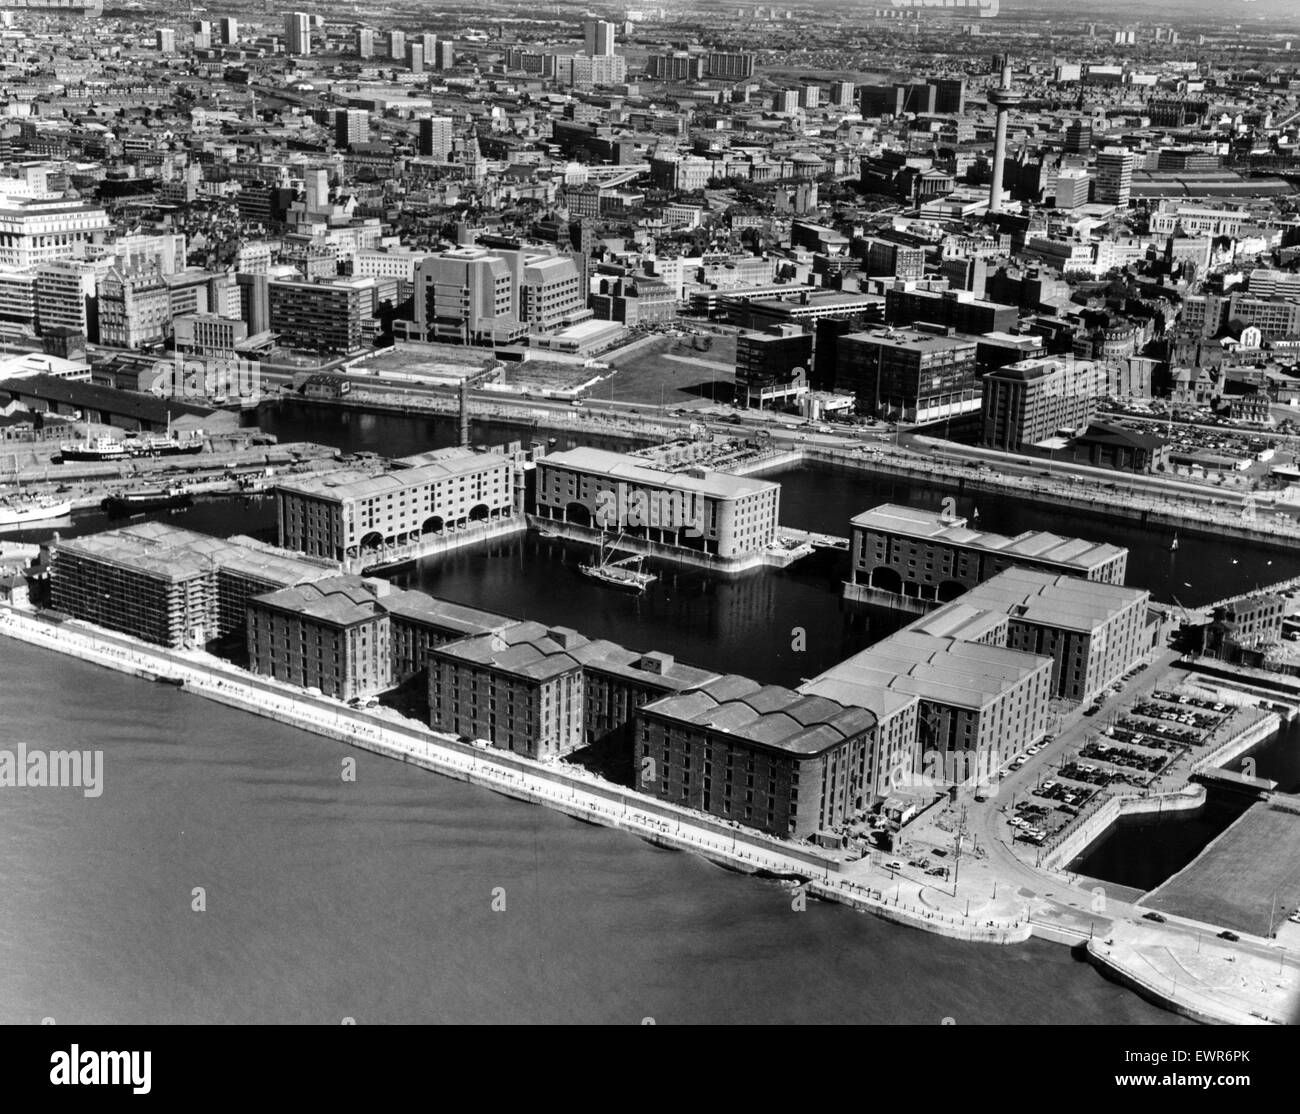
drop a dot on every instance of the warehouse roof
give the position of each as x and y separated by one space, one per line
171 553
1032 545
362 483
536 652
768 715
938 669
619 466
1051 599
339 601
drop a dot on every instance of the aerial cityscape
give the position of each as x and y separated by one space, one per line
451 457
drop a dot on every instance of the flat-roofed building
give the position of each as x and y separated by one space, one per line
709 512
933 556
908 375
1093 632
977 702
332 635
1028 401
39 230
321 316
768 757
957 309
470 295
550 294
344 513
167 585
773 366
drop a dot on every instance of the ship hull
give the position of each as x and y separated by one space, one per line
25 516
123 506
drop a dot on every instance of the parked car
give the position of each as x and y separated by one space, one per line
1154 916
1228 934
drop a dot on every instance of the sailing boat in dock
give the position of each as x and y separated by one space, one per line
626 572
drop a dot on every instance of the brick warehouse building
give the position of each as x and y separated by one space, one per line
932 556
545 691
341 514
167 585
330 634
708 512
765 756
1094 633
976 701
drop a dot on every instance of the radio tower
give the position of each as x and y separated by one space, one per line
1003 98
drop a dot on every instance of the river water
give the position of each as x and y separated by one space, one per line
372 899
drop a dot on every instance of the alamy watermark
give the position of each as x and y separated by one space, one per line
671 510
34 768
207 377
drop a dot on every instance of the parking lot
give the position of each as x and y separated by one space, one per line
1141 743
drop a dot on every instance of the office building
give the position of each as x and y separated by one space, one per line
134 309
342 514
950 96
320 315
1072 186
1078 137
67 295
772 367
37 230
228 30
933 556
165 40
959 310
908 375
1114 176
889 259
1029 401
469 295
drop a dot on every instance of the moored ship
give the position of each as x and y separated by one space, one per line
151 499
100 448
626 573
19 510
